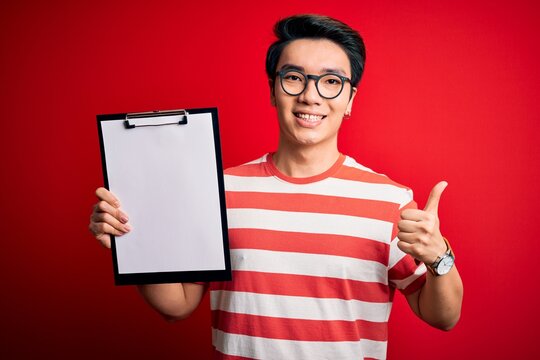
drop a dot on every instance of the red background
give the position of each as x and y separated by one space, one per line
450 92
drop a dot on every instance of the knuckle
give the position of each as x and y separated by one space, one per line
95 229
102 205
425 227
423 239
420 253
94 217
101 228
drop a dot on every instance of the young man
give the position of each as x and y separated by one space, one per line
319 243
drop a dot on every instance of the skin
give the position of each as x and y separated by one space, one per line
308 148
439 301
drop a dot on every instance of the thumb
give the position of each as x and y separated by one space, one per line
432 204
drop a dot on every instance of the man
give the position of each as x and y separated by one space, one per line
319 243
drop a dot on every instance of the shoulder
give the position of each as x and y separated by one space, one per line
253 168
249 177
380 184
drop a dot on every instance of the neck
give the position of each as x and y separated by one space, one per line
305 161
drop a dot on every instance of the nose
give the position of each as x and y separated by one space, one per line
310 95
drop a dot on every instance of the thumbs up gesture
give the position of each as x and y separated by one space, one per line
419 234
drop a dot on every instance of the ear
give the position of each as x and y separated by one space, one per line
272 92
349 105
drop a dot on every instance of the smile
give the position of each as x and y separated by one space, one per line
310 117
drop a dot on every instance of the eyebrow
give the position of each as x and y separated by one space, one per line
324 70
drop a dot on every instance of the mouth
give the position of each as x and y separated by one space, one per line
309 119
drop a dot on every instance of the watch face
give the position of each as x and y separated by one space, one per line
445 265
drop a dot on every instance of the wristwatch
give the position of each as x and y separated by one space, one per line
443 264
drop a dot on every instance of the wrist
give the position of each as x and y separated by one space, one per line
444 262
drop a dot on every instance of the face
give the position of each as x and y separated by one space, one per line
309 119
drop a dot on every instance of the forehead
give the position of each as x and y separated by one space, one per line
315 56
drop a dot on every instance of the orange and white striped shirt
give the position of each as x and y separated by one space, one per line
315 263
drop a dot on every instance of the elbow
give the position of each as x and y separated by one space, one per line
452 323
448 324
174 317
447 327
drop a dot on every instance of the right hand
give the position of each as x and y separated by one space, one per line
107 218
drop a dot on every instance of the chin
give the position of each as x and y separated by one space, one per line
308 140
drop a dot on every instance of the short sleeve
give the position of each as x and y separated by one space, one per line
405 273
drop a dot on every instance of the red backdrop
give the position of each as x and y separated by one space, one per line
450 92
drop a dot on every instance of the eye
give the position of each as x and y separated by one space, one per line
292 77
332 80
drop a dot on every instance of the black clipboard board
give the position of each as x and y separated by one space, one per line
166 168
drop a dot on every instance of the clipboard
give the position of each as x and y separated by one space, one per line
166 169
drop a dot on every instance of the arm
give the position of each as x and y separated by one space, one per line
438 302
172 301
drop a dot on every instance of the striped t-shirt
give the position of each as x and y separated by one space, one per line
315 263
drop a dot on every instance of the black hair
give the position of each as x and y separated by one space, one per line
317 27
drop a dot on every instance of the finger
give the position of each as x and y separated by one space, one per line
406 247
105 240
106 195
432 204
105 207
409 226
102 217
100 228
409 238
414 215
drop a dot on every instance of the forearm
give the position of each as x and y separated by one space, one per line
439 301
173 301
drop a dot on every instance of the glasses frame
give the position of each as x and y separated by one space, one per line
316 78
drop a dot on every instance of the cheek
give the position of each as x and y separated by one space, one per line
281 111
339 110
343 104
283 104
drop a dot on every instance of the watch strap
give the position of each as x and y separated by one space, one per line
433 267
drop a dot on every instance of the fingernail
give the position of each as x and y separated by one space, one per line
123 219
127 227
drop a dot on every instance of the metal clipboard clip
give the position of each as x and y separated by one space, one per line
141 119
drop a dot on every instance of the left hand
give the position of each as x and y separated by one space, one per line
419 231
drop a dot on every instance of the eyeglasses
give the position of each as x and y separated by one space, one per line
329 85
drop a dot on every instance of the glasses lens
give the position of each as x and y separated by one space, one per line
330 85
293 82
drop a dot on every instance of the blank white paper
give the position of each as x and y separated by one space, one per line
167 182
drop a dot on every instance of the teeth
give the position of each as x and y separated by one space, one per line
309 117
